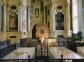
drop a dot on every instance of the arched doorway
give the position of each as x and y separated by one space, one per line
34 32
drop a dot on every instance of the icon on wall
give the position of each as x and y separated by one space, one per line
59 19
13 21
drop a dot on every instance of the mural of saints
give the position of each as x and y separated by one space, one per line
13 21
59 19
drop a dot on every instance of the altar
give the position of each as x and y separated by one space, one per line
52 42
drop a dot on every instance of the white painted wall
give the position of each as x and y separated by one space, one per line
82 17
79 15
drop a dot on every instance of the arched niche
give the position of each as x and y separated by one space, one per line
59 19
34 32
13 19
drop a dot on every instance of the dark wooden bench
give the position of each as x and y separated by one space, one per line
23 42
6 48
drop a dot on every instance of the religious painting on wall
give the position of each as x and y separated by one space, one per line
13 21
59 19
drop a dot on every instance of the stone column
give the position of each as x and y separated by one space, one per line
20 18
24 18
3 35
68 20
75 16
29 20
0 17
29 23
4 16
45 13
43 16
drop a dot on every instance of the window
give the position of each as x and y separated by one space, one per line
75 16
